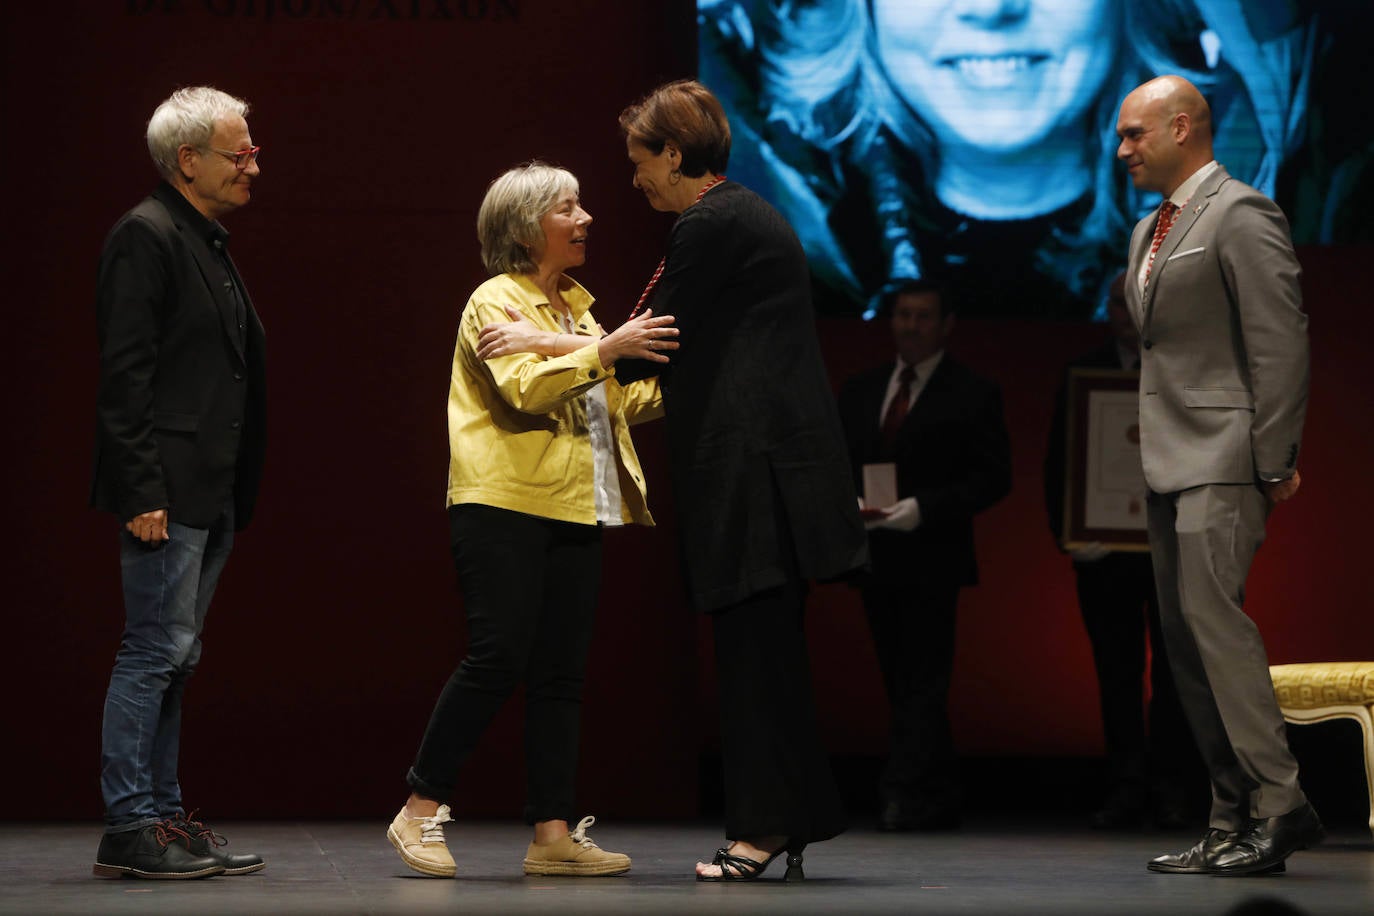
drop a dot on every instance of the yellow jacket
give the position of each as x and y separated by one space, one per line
517 426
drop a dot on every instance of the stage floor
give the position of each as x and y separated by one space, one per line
348 867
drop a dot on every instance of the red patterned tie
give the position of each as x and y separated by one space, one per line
896 411
1167 212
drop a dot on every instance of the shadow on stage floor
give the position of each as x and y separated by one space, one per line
1024 849
989 867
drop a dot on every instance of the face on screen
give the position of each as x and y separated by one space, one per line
998 75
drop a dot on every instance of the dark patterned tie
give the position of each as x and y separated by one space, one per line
897 410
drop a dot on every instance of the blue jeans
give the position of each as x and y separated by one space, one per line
167 589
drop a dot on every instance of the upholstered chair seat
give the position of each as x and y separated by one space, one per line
1320 691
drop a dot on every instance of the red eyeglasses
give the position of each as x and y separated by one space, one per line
242 158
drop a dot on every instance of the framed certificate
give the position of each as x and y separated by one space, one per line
1104 486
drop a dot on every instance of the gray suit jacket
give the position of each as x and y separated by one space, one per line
1224 361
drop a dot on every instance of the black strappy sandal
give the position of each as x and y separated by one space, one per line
742 868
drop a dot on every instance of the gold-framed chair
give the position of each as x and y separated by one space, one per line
1321 691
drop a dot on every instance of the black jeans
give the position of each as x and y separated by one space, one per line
529 589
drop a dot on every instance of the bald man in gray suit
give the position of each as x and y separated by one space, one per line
1213 288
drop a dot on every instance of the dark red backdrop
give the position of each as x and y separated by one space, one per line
382 122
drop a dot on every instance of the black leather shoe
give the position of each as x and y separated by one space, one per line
894 816
1198 860
157 851
1123 810
934 818
902 815
1266 842
205 842
1170 809
1172 814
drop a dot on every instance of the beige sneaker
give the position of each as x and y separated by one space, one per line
420 841
574 854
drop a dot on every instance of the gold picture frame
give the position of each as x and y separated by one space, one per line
1104 485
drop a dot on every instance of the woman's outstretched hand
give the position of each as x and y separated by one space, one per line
644 336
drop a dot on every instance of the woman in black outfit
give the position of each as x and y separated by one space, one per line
761 482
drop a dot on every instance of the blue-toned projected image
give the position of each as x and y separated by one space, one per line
973 141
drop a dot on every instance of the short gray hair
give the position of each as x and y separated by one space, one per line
188 116
508 220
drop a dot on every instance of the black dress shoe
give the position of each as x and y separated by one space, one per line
934 818
205 842
1266 842
1170 808
903 815
1123 810
157 851
1172 815
1198 860
894 816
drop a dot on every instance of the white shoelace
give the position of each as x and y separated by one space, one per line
579 836
432 828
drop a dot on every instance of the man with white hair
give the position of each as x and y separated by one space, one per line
180 434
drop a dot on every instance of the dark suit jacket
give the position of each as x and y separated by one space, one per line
1102 357
952 455
181 410
755 446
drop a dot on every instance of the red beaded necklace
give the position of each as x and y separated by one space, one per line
653 281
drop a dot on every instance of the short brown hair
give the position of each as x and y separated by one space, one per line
687 114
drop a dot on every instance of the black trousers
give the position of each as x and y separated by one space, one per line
529 589
1116 596
776 771
913 626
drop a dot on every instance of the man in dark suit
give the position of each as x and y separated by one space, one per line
941 425
1213 286
180 433
1147 771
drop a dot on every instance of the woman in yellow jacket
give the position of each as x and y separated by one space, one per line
540 460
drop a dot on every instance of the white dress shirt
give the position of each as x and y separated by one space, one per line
606 483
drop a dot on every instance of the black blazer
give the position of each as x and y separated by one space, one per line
755 447
181 409
952 455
